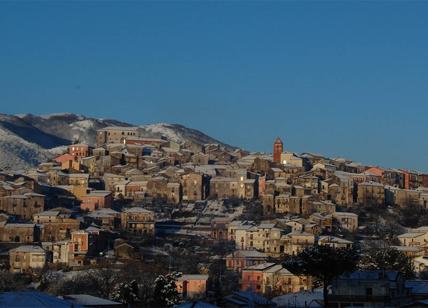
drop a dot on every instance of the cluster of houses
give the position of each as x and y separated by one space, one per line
68 210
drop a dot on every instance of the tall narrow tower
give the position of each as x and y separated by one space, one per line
278 148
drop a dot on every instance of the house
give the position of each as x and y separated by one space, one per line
79 150
58 252
173 193
115 134
224 187
296 242
67 162
371 193
250 236
241 259
56 226
24 206
18 232
219 227
402 197
333 241
78 183
136 189
96 199
289 158
346 220
26 259
420 264
193 187
252 277
106 218
417 237
138 220
271 278
123 250
79 247
369 289
325 221
192 286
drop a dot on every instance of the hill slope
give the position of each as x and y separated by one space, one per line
26 140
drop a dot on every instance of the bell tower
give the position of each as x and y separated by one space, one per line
278 148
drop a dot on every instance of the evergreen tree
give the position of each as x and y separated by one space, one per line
165 291
126 292
387 259
324 263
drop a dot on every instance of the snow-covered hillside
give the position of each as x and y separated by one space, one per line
17 153
71 127
178 133
26 139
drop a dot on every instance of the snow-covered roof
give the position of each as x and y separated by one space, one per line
137 210
260 267
303 299
28 248
48 213
33 299
247 254
89 300
192 277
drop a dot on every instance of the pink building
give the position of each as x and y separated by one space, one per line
252 278
96 199
192 286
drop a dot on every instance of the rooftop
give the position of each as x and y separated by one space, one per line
89 300
32 299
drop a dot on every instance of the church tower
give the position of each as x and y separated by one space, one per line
278 148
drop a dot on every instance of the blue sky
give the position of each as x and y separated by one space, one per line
345 78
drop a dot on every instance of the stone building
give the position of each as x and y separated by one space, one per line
402 197
173 193
18 233
369 289
271 278
223 187
346 220
25 259
240 259
23 206
193 187
96 199
192 286
370 193
296 242
138 220
115 134
56 226
79 150
219 227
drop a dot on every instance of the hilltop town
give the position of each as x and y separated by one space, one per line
156 222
